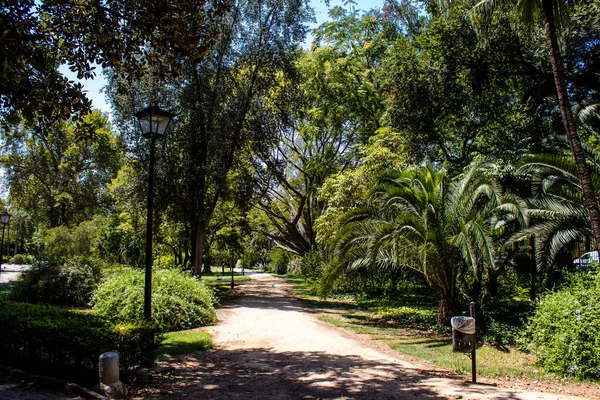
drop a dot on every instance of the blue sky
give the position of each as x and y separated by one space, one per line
94 86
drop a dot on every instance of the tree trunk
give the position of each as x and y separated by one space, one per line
585 179
447 309
533 274
198 249
207 262
491 282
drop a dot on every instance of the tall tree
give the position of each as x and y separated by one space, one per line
453 97
220 101
334 103
56 178
554 14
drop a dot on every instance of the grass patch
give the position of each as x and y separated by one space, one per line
436 348
405 322
184 342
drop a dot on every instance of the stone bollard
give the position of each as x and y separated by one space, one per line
109 384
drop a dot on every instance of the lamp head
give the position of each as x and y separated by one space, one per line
153 121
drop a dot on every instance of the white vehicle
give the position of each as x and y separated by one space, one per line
586 259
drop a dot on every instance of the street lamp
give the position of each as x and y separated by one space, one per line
153 123
5 219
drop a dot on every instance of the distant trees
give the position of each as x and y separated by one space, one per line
319 116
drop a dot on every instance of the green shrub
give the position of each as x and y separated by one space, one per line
58 243
64 342
564 332
69 284
313 264
179 300
279 261
19 259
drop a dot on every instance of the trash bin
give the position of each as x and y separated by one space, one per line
463 334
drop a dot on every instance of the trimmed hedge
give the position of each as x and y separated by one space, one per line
64 342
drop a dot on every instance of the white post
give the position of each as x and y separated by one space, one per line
108 371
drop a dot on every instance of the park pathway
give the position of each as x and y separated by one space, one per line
269 346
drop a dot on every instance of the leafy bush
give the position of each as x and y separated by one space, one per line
313 264
64 342
179 300
69 284
20 259
61 243
565 331
279 261
293 266
58 243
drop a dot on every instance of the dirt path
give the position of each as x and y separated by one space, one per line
271 347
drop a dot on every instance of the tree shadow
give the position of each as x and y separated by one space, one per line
263 373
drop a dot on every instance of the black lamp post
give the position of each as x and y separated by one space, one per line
5 219
153 123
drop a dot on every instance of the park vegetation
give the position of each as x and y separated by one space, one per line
412 158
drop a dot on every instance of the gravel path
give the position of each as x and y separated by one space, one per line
268 346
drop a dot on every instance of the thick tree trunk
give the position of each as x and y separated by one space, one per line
569 122
447 309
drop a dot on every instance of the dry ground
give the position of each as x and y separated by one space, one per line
269 346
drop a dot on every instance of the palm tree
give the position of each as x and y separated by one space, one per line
423 220
557 213
554 15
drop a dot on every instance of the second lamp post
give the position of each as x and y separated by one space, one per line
5 219
153 123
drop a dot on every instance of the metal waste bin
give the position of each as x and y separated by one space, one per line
463 334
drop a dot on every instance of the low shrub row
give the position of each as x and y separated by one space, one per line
63 342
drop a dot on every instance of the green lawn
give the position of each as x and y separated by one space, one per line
184 342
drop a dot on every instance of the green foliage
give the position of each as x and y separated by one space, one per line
69 284
564 333
68 342
279 261
423 220
312 266
62 242
20 259
56 175
58 243
179 300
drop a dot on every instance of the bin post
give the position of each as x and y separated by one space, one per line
473 359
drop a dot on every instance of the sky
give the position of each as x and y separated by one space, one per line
94 86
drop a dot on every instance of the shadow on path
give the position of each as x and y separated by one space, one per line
265 374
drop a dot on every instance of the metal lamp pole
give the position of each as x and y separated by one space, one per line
5 219
153 123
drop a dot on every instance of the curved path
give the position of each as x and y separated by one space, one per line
269 346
